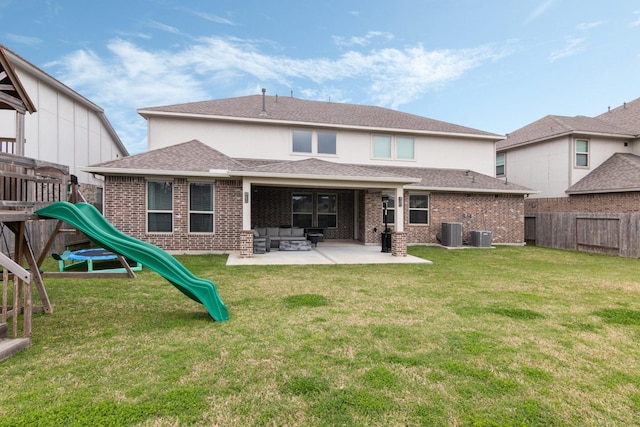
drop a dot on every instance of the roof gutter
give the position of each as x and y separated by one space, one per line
155 172
377 179
560 135
147 113
615 190
472 190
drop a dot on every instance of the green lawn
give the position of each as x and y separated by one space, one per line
506 337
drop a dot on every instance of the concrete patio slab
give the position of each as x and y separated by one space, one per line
326 253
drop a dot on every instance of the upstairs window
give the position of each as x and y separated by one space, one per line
381 147
200 208
500 163
404 148
302 141
326 143
314 142
159 206
582 153
393 147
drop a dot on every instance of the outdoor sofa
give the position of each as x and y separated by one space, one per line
277 234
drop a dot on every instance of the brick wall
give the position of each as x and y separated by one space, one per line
125 208
503 215
271 207
587 203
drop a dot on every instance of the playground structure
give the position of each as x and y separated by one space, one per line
31 191
25 185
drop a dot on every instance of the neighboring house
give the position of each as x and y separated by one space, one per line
217 169
58 125
587 174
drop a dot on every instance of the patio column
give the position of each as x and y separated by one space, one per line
399 209
399 236
246 204
246 234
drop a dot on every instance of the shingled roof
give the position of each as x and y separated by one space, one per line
194 158
627 116
619 173
191 156
285 109
556 126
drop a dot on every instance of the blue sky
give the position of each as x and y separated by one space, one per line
494 65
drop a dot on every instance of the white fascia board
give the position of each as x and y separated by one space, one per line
376 179
568 133
154 172
470 190
317 183
147 113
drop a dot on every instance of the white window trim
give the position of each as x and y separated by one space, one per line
586 153
148 211
314 143
394 148
427 209
212 212
504 164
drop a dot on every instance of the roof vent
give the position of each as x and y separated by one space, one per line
264 106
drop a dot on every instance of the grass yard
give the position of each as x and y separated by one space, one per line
516 336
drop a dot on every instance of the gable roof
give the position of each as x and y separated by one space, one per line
627 116
619 173
12 95
556 126
196 159
304 112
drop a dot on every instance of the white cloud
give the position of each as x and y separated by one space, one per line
636 23
213 18
26 40
131 77
540 10
361 40
588 25
164 27
572 47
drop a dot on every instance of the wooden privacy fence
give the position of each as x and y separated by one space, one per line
616 234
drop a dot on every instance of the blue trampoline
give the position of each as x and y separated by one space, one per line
88 256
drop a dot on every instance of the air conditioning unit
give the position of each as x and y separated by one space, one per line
480 238
452 234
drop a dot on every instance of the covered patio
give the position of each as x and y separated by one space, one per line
327 253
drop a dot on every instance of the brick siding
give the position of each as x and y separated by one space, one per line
503 215
125 208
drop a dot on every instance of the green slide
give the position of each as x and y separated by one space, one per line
89 220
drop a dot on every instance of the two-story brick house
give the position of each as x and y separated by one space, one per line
217 169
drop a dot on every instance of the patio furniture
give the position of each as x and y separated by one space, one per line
294 245
314 238
261 244
278 234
